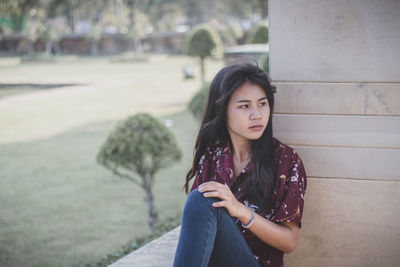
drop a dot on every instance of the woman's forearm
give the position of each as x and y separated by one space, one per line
281 236
276 235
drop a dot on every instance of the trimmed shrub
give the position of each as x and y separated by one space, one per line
136 149
203 41
265 63
198 102
259 34
231 34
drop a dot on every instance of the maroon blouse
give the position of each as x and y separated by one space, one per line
287 201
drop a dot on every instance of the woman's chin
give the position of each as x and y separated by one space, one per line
254 136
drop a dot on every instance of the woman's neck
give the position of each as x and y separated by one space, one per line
241 150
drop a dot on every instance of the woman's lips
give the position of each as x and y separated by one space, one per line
256 127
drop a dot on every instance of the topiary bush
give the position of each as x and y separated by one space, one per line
198 102
265 63
259 34
136 149
203 41
231 34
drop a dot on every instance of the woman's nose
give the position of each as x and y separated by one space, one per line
255 114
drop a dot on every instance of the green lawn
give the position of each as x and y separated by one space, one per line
58 207
106 91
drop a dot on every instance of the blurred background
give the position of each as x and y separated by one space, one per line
69 72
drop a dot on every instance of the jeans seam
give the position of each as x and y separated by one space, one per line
245 241
207 240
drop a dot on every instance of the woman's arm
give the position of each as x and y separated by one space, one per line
282 236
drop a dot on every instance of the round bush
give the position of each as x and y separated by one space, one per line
140 143
259 34
198 102
203 41
265 63
231 34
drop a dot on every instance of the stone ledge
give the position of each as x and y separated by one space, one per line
158 253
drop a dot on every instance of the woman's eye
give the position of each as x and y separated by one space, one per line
246 106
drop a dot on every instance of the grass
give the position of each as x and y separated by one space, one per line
59 208
160 229
107 91
16 89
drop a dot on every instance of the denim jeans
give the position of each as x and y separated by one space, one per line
210 237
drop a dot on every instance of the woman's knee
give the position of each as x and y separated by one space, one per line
196 197
196 202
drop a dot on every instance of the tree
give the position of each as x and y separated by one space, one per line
16 11
35 28
67 8
135 41
163 14
94 37
203 41
231 34
51 35
261 5
259 34
198 103
265 63
136 149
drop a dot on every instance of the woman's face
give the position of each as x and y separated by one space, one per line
247 107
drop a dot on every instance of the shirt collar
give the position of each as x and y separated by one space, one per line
225 159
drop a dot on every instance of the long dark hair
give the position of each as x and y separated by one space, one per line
213 131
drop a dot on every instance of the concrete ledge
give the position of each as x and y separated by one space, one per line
158 253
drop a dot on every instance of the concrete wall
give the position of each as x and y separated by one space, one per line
336 65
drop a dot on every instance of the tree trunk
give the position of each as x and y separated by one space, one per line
138 46
49 45
31 48
264 8
152 216
94 48
203 78
135 42
57 48
70 18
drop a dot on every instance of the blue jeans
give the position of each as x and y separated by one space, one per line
210 237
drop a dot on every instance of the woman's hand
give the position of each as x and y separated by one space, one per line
281 236
229 201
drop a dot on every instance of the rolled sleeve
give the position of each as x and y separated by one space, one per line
203 172
294 187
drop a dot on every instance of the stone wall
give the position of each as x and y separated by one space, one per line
336 65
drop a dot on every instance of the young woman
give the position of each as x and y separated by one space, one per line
246 202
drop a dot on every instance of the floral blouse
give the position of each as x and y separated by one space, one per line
287 200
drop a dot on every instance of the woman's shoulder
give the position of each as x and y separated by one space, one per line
216 149
290 185
285 155
282 148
